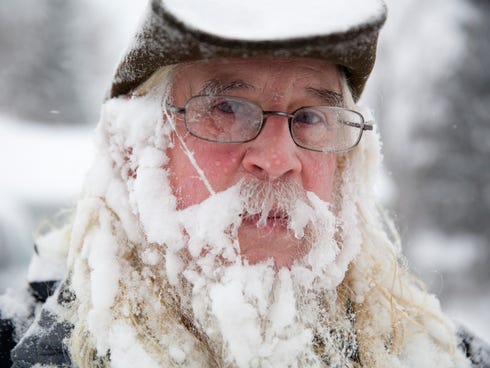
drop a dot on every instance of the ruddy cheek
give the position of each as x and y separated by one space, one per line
320 176
220 167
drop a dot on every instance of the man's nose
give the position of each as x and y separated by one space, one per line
273 154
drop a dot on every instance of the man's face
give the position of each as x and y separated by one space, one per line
276 85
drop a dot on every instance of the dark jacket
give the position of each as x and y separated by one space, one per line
40 338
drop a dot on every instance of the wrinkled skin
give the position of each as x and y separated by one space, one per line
280 85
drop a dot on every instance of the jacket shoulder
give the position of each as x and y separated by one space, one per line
475 349
44 343
7 342
16 314
21 311
38 338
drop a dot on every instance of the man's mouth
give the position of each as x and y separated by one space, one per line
274 219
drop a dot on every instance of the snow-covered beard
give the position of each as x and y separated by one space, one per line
256 315
212 226
160 287
187 263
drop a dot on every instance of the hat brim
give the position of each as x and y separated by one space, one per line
164 40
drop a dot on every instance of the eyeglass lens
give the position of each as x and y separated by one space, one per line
235 120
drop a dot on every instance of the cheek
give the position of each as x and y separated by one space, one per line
319 175
219 164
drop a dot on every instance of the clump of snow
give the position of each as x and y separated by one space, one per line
105 273
470 310
419 351
126 352
18 307
49 262
16 304
177 354
274 19
204 229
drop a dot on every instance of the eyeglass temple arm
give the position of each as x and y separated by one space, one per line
178 110
366 126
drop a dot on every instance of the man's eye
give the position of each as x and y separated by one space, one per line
308 117
228 107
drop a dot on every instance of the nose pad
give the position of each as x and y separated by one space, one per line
273 154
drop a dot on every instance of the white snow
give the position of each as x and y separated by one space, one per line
104 276
204 229
274 19
49 263
16 304
240 295
37 154
126 352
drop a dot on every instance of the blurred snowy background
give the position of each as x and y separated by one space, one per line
430 92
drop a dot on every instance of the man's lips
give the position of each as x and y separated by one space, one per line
274 219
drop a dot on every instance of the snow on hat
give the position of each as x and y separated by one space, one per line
175 31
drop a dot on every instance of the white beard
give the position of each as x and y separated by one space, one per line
256 315
246 315
160 287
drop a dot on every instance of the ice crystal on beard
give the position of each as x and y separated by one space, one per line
274 200
335 342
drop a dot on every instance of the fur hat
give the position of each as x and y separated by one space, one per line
175 31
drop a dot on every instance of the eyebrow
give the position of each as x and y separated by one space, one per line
330 97
218 87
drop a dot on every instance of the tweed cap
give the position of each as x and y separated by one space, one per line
176 31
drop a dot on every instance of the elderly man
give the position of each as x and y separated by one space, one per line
229 218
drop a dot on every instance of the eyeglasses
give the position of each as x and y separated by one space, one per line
226 119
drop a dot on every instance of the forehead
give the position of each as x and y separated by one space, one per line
263 73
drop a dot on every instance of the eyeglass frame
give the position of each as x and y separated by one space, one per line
266 114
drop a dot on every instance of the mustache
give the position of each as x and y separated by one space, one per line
270 200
